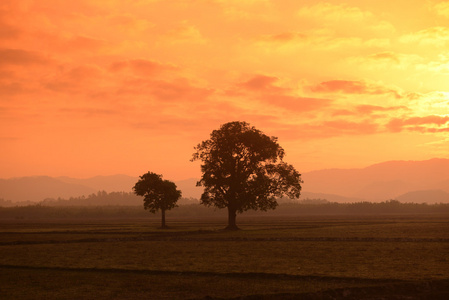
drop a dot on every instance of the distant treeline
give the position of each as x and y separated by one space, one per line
302 208
386 207
100 198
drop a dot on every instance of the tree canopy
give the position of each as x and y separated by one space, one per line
242 168
158 194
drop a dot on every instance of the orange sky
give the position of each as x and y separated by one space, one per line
106 87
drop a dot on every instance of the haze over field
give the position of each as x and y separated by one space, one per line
93 88
407 181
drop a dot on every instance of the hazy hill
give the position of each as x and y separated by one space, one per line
38 188
431 196
402 180
189 188
382 181
114 183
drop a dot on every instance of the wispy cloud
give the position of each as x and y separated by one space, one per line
433 36
334 13
423 124
267 90
261 82
442 8
10 56
368 110
353 87
186 33
142 67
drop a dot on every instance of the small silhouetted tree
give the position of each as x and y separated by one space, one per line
158 194
242 169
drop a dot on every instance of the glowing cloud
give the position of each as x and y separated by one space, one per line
352 87
434 36
335 13
442 9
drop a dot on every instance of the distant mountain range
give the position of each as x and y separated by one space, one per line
406 181
388 180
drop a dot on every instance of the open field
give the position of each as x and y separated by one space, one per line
271 257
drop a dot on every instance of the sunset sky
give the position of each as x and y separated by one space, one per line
124 87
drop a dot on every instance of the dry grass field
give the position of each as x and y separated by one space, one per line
270 258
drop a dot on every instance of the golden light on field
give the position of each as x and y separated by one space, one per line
105 87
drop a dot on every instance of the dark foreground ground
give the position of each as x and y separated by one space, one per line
388 257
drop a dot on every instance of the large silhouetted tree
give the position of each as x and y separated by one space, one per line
158 194
242 168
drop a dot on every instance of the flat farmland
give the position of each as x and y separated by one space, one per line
269 258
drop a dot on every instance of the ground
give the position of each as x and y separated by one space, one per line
382 257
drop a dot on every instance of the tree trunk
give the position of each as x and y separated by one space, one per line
232 215
163 226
